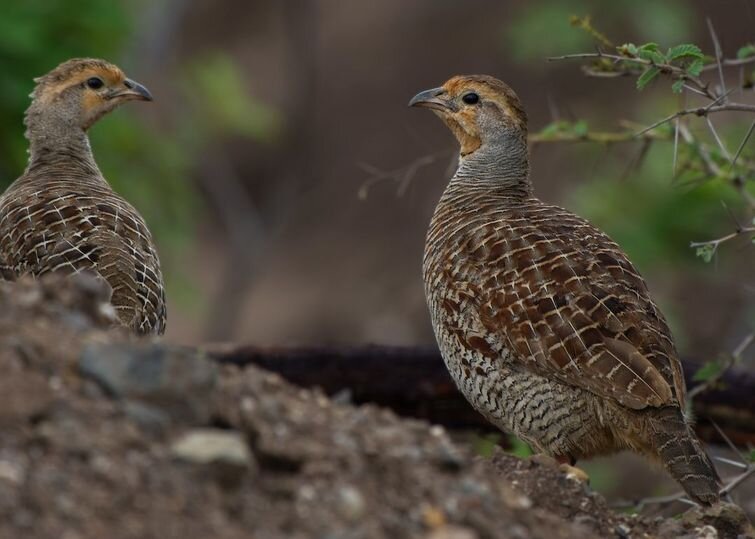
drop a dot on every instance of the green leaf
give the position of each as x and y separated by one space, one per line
554 128
746 51
752 455
678 86
706 251
648 75
695 68
652 56
580 128
710 370
686 50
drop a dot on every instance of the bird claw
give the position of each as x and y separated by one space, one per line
571 472
574 473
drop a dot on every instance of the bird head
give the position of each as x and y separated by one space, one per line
478 109
80 91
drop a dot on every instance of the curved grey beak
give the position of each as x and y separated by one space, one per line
133 90
432 99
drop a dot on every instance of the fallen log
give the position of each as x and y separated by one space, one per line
413 382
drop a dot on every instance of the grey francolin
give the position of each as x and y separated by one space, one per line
61 215
547 328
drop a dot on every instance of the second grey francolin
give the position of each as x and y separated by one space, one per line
546 326
61 215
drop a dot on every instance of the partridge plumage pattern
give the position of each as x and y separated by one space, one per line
545 325
61 215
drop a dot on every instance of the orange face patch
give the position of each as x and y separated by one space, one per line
490 89
75 72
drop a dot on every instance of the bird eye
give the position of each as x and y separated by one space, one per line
95 83
471 98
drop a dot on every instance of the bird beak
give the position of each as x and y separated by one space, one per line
432 99
132 90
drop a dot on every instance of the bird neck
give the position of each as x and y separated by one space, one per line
499 165
56 141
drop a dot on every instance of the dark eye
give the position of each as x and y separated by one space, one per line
471 98
95 83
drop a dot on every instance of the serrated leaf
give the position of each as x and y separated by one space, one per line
652 56
710 370
678 86
650 47
695 68
746 51
706 251
648 75
686 50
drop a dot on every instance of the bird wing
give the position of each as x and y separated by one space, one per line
60 227
565 300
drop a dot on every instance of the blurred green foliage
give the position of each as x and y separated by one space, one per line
37 35
644 19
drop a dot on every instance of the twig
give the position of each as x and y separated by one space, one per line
742 145
701 111
664 67
736 355
738 480
402 175
731 62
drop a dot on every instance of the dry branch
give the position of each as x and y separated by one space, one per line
414 382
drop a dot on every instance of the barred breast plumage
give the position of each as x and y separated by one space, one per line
61 215
546 326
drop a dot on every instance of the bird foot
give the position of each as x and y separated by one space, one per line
564 464
574 473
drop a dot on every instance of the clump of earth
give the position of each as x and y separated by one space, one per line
103 435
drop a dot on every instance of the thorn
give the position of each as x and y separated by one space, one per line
717 48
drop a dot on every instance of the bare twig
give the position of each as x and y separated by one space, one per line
702 111
402 175
742 145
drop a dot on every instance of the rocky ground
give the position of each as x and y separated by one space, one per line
104 436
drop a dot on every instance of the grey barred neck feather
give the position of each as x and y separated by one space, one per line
61 215
542 320
490 124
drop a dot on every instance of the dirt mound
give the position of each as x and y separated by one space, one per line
105 436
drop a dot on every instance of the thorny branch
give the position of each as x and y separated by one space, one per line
715 162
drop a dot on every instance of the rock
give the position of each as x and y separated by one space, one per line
727 518
177 381
23 397
452 532
351 503
205 446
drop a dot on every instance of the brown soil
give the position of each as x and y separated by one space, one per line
102 436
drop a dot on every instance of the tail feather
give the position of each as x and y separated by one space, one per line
683 456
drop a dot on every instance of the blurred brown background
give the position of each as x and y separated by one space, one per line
271 117
286 251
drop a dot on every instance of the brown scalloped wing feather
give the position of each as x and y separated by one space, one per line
58 226
566 300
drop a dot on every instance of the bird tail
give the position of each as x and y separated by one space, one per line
683 456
